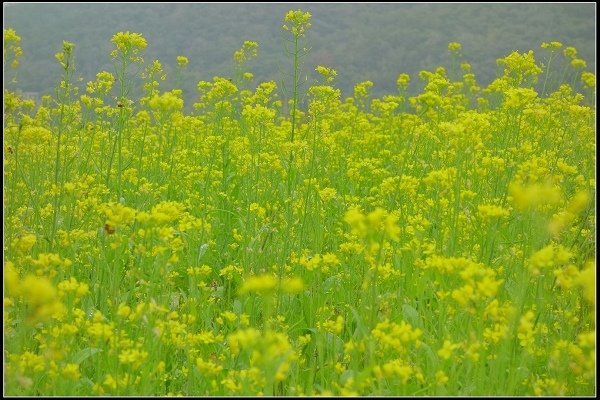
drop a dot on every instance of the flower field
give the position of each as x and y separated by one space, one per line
287 241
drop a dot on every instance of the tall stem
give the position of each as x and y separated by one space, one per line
63 96
294 107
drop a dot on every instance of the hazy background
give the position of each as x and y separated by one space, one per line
360 41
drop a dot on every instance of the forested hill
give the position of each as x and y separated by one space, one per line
361 41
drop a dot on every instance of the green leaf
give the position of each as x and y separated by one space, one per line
411 315
84 354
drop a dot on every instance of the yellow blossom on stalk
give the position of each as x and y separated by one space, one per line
292 285
519 97
24 243
208 367
589 79
327 73
129 45
446 351
520 67
356 220
575 206
396 336
101 330
248 51
565 276
578 63
199 271
42 297
297 22
123 310
118 214
182 61
29 361
551 45
330 259
441 378
327 194
548 387
332 326
587 280
71 285
36 134
229 316
394 369
487 211
305 339
71 371
259 283
454 46
230 271
403 81
379 220
242 339
548 257
526 331
361 90
472 351
570 52
11 44
533 195
102 85
168 101
135 357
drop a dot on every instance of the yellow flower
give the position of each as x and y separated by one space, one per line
446 351
487 211
587 280
24 243
589 79
71 371
292 285
261 284
441 378
182 61
526 331
403 81
534 195
578 63
208 367
42 297
332 326
327 194
123 310
570 52
551 45
297 22
548 257
133 356
168 101
11 44
128 42
454 46
327 73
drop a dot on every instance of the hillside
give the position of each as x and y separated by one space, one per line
361 42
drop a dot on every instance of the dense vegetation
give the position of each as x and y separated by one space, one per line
435 243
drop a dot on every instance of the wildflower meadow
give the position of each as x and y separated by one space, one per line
291 241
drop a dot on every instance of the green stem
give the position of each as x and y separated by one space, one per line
57 195
294 107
